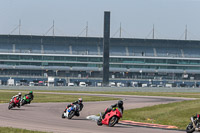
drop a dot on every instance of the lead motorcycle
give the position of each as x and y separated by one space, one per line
25 100
13 103
194 125
111 118
70 112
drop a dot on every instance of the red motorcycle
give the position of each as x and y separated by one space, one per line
13 103
111 118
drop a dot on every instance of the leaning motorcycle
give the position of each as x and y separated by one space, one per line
194 125
25 100
13 103
111 118
70 112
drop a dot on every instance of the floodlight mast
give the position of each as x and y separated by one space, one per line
106 43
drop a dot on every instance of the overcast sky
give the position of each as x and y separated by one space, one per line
137 17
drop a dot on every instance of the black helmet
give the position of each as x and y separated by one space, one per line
31 92
120 103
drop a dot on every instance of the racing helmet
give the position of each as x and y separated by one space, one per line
31 92
80 100
19 94
120 103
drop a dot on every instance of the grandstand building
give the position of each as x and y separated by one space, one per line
82 57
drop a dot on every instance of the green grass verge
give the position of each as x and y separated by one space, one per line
176 114
42 98
16 130
167 94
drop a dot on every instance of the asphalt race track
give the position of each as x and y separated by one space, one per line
47 116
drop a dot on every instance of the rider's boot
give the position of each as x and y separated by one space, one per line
77 114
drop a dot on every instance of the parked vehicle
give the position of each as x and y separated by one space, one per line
120 84
112 84
144 85
111 118
11 82
70 84
82 84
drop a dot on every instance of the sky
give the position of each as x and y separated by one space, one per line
70 17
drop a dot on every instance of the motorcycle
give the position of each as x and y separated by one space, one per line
194 125
13 103
70 112
111 118
25 100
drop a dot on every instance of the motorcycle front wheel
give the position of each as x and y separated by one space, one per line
63 116
71 114
113 120
190 128
99 122
10 106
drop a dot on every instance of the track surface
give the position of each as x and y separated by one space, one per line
47 116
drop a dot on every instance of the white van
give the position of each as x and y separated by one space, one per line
120 85
31 84
11 82
82 84
144 85
112 84
70 84
99 84
168 85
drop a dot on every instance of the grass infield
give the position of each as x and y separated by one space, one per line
17 130
42 98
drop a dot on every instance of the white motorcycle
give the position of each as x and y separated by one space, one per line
70 112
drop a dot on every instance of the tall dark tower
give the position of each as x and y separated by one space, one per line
106 43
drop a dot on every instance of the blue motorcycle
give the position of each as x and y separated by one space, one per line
70 112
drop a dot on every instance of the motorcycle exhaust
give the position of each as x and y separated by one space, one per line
192 119
100 115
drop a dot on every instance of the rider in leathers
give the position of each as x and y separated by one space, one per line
30 95
79 103
18 98
119 104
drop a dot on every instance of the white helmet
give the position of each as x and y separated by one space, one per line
20 94
80 100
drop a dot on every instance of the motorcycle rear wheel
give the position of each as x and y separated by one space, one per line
113 120
190 128
23 102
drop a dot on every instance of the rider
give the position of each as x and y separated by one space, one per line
79 103
119 105
18 96
30 95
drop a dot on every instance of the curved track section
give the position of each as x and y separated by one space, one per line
47 116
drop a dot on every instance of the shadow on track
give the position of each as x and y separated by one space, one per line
117 126
18 109
74 119
30 106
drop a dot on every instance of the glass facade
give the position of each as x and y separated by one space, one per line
96 61
74 56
